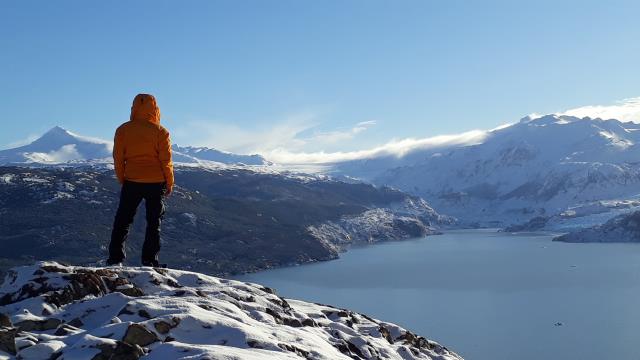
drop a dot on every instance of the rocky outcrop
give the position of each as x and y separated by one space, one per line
536 224
408 219
183 315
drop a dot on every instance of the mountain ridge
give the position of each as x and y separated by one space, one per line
61 146
535 167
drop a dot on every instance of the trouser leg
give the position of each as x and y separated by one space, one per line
155 207
130 198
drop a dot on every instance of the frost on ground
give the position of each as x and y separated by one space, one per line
51 311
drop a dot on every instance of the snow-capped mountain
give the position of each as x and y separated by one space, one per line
51 311
622 228
58 146
61 146
536 167
190 154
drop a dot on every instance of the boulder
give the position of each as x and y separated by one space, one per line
122 351
139 335
8 340
38 325
5 320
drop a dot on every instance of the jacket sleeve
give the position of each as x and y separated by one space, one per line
118 154
164 154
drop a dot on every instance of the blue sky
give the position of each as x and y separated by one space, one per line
310 76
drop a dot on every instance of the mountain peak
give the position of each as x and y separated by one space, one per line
549 119
57 130
56 134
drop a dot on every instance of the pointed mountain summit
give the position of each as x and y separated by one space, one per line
57 145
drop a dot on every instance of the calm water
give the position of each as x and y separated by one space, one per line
488 295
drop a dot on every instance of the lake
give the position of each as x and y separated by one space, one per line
487 295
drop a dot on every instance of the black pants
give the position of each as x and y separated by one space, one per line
130 197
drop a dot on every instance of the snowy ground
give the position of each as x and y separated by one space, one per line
51 311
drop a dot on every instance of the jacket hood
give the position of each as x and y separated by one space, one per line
145 108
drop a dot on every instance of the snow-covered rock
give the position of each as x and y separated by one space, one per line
51 311
622 228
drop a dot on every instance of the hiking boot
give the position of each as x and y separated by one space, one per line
114 263
154 264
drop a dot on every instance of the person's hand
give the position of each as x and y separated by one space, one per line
168 191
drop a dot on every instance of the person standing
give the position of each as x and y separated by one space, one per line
143 166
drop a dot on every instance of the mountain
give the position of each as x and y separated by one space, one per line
622 228
539 167
190 154
218 221
52 311
60 146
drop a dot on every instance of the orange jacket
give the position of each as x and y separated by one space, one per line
142 147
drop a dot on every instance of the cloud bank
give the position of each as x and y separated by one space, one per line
63 154
396 148
623 110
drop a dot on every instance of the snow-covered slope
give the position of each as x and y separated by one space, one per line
51 311
60 146
622 228
190 154
536 167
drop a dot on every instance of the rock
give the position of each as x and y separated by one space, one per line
39 325
309 322
76 322
144 314
5 320
66 329
8 340
162 327
44 350
386 334
122 351
81 283
139 335
25 340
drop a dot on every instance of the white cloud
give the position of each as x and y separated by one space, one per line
290 133
336 136
624 110
65 153
397 148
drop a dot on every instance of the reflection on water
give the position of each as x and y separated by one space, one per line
487 295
